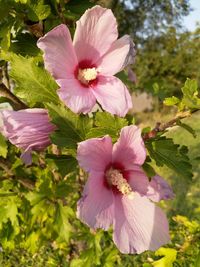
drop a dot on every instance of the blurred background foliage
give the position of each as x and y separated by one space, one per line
38 227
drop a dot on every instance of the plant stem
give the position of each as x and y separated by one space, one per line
16 103
161 127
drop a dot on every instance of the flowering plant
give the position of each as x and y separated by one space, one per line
69 170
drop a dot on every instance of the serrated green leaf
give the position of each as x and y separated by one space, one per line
165 152
9 212
38 10
34 84
61 223
64 163
72 128
3 147
168 259
25 45
62 189
5 34
107 124
32 241
171 101
190 94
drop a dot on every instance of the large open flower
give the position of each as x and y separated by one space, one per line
28 129
84 70
119 193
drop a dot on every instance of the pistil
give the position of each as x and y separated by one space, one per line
115 178
87 75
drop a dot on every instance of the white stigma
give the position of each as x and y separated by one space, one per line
86 75
114 177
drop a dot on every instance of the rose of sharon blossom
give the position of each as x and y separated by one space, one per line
119 193
84 69
28 129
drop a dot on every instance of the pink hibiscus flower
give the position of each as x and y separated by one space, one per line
119 193
28 129
84 69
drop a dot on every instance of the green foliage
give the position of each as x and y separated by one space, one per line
165 152
167 60
65 163
197 262
38 10
72 128
3 147
190 99
34 84
105 124
168 259
38 203
190 94
170 101
187 128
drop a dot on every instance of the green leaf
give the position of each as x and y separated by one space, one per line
197 261
190 94
107 124
63 189
5 34
64 163
21 1
34 84
150 172
186 127
61 223
78 6
38 11
165 152
9 212
168 259
3 147
32 241
171 101
77 263
24 44
12 212
72 128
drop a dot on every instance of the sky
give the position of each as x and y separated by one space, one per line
194 15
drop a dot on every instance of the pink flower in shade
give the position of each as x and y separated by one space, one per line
119 193
84 69
28 129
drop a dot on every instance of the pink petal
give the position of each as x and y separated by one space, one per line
59 55
139 225
120 54
157 189
129 149
26 157
112 95
96 208
28 128
95 32
131 75
95 154
75 96
138 181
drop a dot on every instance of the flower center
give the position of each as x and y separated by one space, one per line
87 75
114 177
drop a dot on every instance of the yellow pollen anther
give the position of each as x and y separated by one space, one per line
86 75
114 177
